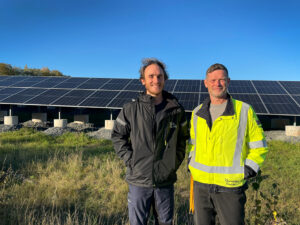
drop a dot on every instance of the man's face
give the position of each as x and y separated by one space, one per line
217 83
154 80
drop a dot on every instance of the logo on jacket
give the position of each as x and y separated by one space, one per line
173 125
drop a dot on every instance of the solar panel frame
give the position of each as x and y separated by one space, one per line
297 98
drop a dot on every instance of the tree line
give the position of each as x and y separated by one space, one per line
7 69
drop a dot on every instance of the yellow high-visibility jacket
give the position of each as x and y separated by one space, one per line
220 151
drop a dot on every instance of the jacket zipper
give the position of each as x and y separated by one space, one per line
154 141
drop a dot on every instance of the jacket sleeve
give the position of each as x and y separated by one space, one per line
120 138
191 142
183 135
257 145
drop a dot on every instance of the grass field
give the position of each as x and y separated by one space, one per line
74 179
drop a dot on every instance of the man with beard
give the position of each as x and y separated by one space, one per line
227 146
150 136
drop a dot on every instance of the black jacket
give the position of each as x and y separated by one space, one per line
152 154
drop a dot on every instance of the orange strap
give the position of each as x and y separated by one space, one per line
192 195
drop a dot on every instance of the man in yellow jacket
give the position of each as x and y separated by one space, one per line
227 146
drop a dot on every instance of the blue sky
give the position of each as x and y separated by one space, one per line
255 39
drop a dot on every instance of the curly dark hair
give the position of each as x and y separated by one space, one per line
149 61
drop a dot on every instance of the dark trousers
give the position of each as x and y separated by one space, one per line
140 200
229 206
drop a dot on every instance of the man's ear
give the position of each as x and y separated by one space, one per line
142 81
205 83
228 81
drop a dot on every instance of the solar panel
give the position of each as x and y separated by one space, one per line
119 81
241 83
45 84
104 94
113 86
297 98
55 92
128 95
96 102
203 96
122 98
47 97
36 79
77 80
3 97
68 101
188 100
187 86
24 84
17 98
241 89
42 100
263 83
202 87
135 87
6 83
253 100
32 91
79 93
93 83
283 109
266 97
3 77
99 98
67 85
270 90
280 104
10 91
169 85
292 87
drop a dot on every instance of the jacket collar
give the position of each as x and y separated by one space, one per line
204 113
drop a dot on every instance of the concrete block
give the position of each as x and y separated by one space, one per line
83 118
279 123
11 120
62 123
292 131
109 124
39 117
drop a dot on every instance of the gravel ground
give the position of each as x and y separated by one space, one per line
5 128
56 131
32 124
279 135
102 133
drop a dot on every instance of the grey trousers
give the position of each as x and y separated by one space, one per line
228 206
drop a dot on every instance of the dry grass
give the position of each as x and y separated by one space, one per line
74 179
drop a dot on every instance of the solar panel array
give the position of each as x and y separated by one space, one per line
266 97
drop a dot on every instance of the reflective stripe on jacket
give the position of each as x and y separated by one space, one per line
219 151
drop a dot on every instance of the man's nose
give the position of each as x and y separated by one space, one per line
219 82
156 79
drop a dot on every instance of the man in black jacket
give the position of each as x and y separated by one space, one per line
150 136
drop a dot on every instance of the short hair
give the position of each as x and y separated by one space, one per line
149 61
217 66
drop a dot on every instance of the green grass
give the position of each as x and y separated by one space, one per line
74 179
